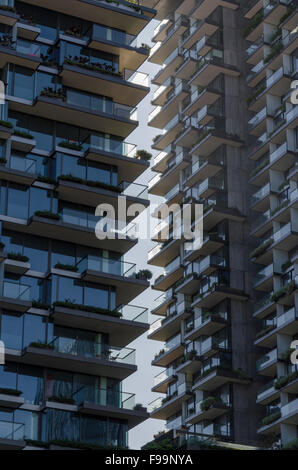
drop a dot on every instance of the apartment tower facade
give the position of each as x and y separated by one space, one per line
67 314
227 310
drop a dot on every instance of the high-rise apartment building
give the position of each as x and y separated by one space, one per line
67 317
228 140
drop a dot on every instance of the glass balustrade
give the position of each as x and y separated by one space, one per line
107 266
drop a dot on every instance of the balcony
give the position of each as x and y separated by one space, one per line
110 403
264 306
163 379
162 408
122 44
160 116
211 137
205 27
162 183
267 364
163 253
122 15
19 170
211 243
160 95
267 393
124 154
129 88
84 357
11 399
161 50
123 325
80 109
162 330
12 435
188 66
171 351
76 226
206 324
203 411
21 52
8 16
257 125
120 274
202 96
285 238
172 273
169 133
255 52
282 158
289 413
15 296
215 373
210 66
171 63
264 278
163 301
204 8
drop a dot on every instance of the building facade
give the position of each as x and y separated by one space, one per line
229 137
67 313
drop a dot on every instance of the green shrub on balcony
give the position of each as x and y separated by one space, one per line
283 381
82 445
271 418
52 93
62 399
7 124
286 15
286 355
93 184
70 145
282 185
2 245
139 407
279 208
36 443
40 305
286 265
3 161
46 179
47 215
10 391
241 374
256 20
144 274
41 345
286 290
164 444
86 308
23 134
207 403
265 330
66 267
143 155
261 249
7 8
274 52
18 257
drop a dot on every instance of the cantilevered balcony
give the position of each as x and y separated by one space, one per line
163 301
161 93
202 411
188 66
82 109
163 253
21 52
210 66
267 393
172 273
216 372
207 324
163 379
264 278
129 88
162 330
161 50
160 116
170 64
172 350
112 403
123 15
120 274
162 183
199 29
12 435
16 296
204 8
85 357
212 242
264 306
203 96
124 154
267 364
122 44
123 324
162 408
212 136
171 130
